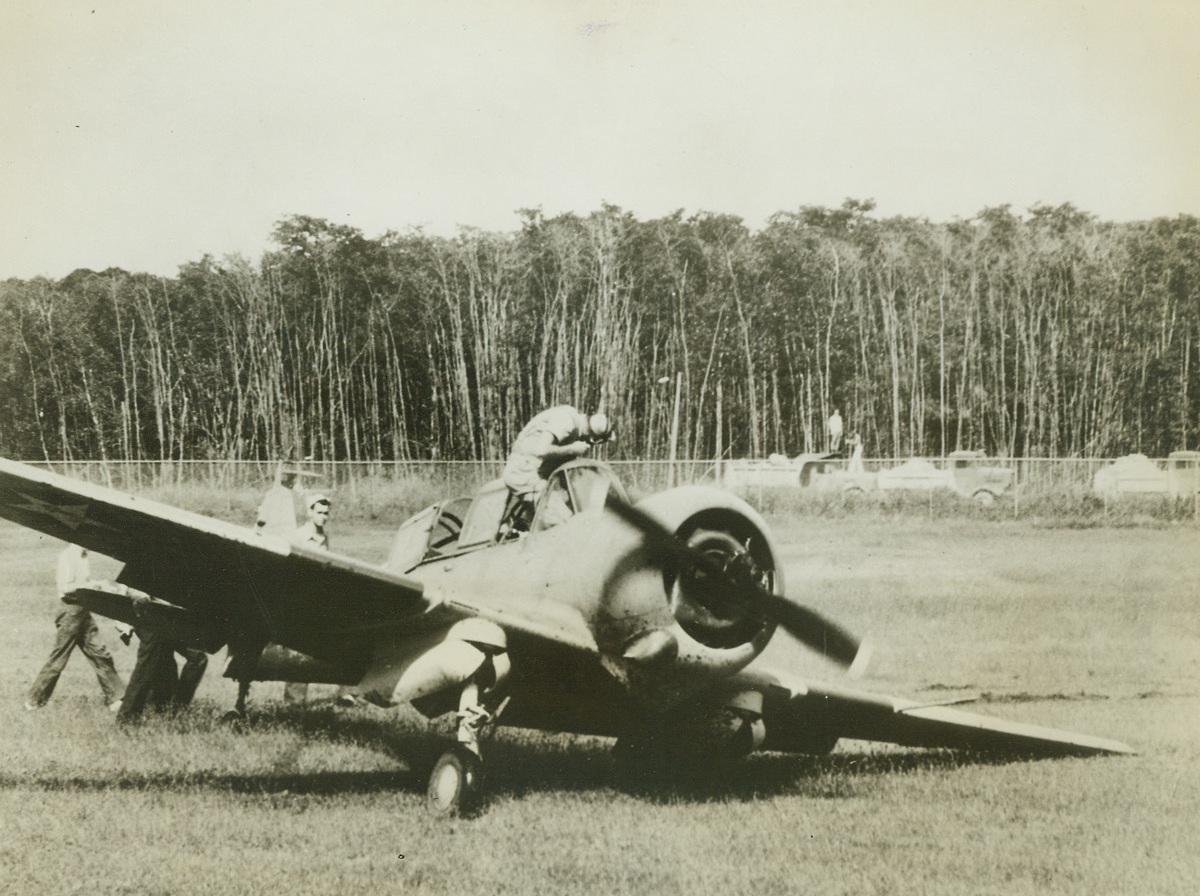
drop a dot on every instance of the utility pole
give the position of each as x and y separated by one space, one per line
720 438
674 431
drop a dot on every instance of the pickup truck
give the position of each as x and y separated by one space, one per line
778 470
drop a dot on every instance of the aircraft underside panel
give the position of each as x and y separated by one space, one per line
556 689
278 663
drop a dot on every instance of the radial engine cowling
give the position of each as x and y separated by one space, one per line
699 629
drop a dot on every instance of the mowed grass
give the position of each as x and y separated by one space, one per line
1095 630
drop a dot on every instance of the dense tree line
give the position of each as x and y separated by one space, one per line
1049 333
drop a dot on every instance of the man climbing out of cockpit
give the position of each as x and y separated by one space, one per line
549 440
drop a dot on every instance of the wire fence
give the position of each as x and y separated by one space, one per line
1030 474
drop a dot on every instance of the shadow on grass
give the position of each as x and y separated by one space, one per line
518 763
767 775
311 783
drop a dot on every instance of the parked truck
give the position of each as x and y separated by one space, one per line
1136 474
966 473
778 470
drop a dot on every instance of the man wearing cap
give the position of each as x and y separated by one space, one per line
311 533
549 440
312 530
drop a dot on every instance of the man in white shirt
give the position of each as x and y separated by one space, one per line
835 430
75 628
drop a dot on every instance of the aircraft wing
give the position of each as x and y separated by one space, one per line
808 716
220 575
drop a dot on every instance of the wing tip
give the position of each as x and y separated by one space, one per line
1116 748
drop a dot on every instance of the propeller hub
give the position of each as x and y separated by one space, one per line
708 601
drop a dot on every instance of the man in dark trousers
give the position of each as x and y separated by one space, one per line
155 681
276 516
75 628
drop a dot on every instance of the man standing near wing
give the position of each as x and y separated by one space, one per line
155 680
75 628
311 533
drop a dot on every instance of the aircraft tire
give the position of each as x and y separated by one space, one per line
454 783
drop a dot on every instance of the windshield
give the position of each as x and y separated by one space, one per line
482 521
574 490
411 541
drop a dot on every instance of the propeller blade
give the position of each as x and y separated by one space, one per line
811 628
662 539
807 626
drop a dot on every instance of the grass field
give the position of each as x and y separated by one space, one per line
1092 629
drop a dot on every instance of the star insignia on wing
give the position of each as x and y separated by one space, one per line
69 515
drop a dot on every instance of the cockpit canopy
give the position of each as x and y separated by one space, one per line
469 524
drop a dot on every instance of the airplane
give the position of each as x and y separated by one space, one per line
642 622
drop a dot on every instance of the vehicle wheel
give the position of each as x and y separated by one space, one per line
984 498
454 783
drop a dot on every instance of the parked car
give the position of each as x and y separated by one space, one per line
1136 474
964 472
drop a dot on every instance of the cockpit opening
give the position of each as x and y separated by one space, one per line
468 524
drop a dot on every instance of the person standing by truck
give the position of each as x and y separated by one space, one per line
834 427
856 450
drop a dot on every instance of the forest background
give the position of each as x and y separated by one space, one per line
1049 333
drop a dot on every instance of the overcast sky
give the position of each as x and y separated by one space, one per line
143 135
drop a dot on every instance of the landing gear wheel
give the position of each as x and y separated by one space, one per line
454 783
